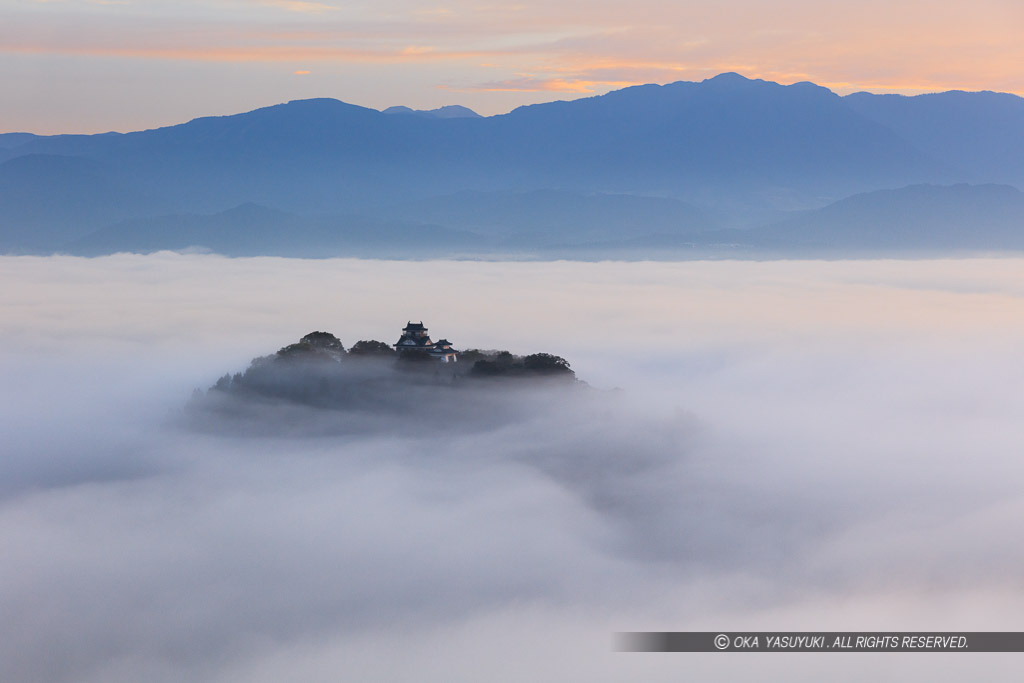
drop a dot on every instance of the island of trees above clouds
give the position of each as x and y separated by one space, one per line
411 380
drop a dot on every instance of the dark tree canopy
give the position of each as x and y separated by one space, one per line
296 351
470 356
371 347
317 370
323 340
371 389
546 364
314 346
504 364
488 368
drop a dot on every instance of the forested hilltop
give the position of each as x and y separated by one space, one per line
357 388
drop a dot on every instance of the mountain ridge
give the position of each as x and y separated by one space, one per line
740 151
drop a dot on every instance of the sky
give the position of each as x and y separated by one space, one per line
797 446
86 66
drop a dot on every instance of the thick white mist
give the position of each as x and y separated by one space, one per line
800 445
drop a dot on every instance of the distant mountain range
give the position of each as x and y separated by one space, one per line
452 111
10 140
254 230
918 217
548 217
917 220
730 159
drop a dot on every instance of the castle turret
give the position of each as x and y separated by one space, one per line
415 339
444 352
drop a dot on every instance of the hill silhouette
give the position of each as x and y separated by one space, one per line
731 152
980 133
451 111
316 386
916 218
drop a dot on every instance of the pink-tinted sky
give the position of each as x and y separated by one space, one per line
97 65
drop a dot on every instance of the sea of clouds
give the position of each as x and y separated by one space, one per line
796 446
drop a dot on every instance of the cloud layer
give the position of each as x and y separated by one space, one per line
799 446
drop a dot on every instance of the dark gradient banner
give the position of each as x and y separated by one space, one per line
819 641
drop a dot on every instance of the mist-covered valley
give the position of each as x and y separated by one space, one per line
780 445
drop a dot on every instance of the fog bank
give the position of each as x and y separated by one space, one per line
798 446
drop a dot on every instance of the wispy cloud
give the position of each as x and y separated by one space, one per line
414 50
301 6
250 53
541 84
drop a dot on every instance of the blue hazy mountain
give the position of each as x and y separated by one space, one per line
451 111
722 133
685 140
254 230
916 218
12 140
542 217
915 221
317 155
47 200
728 150
473 222
981 133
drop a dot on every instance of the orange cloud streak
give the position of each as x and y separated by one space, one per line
531 84
888 45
